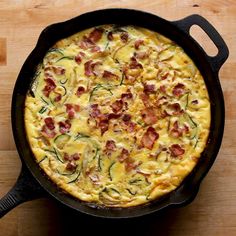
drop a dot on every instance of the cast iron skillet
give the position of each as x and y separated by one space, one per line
32 183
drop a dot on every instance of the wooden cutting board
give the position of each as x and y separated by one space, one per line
213 212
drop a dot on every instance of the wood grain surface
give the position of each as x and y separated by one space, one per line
213 212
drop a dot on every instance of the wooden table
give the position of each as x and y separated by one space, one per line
213 212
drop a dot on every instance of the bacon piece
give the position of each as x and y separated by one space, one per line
176 150
75 156
163 77
57 98
95 111
71 165
113 116
109 75
149 138
124 37
95 49
103 124
89 67
137 43
110 145
149 115
145 99
178 90
123 155
134 64
79 57
80 91
149 88
58 70
64 127
127 95
117 106
176 131
49 123
163 88
126 117
175 109
70 109
130 164
96 35
47 132
131 126
49 87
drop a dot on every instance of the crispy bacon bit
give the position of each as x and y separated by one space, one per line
126 117
163 77
194 102
124 37
49 87
130 164
176 131
145 99
57 98
149 138
110 36
103 124
70 109
58 70
71 165
78 59
75 156
64 127
131 126
117 106
127 95
178 90
89 67
175 109
109 75
47 132
95 111
49 123
96 35
113 116
134 64
176 150
95 49
149 88
149 115
138 43
123 155
80 91
110 145
163 88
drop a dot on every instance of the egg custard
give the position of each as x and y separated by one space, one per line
117 116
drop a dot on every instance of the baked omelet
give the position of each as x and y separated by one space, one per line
117 115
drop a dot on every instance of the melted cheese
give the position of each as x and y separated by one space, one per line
169 107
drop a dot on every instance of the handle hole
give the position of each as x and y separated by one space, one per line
203 39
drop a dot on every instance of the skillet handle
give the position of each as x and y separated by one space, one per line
25 189
223 52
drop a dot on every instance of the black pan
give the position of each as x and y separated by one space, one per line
33 183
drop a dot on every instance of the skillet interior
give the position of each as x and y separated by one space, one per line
188 189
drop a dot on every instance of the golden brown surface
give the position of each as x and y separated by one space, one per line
21 23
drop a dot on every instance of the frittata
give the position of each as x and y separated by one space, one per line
117 115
